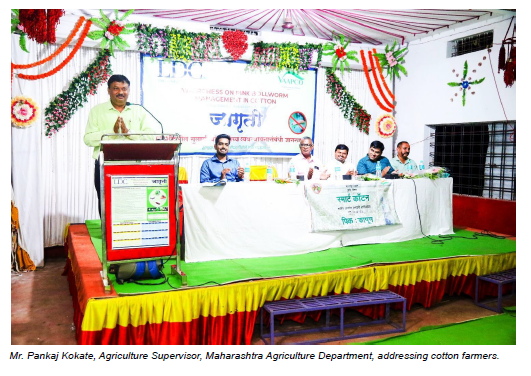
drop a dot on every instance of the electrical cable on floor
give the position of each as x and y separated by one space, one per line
443 238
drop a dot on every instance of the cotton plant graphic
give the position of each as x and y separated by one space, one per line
465 84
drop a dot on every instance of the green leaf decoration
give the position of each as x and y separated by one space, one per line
454 84
127 31
105 18
398 55
111 48
133 25
16 11
116 14
96 34
329 53
104 42
341 39
477 81
327 47
99 23
22 43
464 97
126 14
465 71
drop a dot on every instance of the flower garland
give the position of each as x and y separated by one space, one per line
366 70
377 81
385 125
391 60
64 106
352 110
285 55
337 49
235 42
24 112
58 51
382 76
177 44
66 61
40 24
110 35
465 84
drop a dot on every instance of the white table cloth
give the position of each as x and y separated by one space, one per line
263 219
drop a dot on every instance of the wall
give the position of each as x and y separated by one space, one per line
424 96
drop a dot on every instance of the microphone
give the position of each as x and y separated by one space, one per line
134 104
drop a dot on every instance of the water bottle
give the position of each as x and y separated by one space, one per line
292 173
269 173
247 174
421 165
337 173
378 169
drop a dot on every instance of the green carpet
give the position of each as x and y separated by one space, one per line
225 271
491 330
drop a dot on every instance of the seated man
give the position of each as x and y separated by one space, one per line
401 161
339 167
367 164
305 163
220 166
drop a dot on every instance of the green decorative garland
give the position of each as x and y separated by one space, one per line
177 44
64 106
291 56
351 109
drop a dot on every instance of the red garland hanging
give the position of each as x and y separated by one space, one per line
40 24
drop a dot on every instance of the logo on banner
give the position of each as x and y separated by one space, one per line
180 69
316 188
291 78
297 122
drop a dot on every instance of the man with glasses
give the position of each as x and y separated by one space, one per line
221 166
306 164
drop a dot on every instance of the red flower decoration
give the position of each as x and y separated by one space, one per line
340 52
235 42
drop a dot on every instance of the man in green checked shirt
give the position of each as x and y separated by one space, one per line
117 117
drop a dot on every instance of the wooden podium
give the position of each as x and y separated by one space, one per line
139 202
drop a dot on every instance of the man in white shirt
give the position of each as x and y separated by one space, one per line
308 165
339 167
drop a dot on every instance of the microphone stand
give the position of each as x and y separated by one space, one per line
134 104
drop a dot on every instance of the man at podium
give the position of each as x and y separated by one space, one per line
114 117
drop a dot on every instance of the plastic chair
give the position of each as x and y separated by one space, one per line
259 173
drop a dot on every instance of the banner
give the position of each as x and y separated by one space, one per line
350 205
264 112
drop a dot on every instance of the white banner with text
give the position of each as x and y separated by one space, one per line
264 112
350 205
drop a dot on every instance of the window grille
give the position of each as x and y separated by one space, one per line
481 158
471 43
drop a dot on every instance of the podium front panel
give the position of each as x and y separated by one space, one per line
140 211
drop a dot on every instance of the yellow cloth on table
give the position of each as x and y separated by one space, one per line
259 173
183 175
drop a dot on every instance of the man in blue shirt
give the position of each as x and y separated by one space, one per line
367 164
220 166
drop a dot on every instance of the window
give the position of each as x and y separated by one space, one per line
471 43
480 157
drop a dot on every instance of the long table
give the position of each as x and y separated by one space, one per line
264 219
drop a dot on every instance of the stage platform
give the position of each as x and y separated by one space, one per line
223 299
